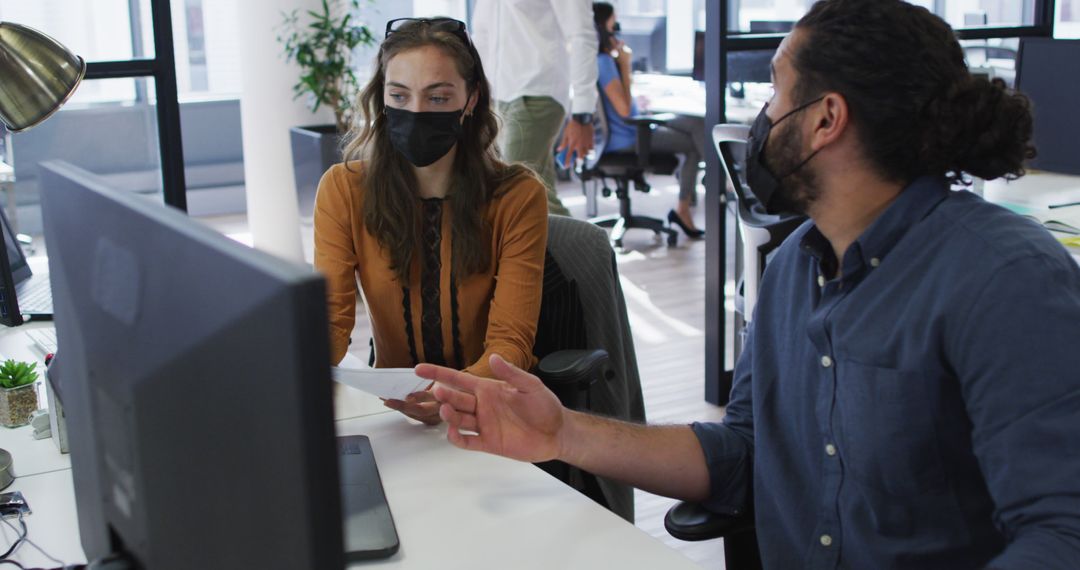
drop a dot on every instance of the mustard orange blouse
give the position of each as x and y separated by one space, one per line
431 318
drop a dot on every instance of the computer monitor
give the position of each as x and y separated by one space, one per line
750 66
1048 72
742 66
195 376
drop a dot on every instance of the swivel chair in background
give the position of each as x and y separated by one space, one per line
625 168
758 235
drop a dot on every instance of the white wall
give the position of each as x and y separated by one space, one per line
267 111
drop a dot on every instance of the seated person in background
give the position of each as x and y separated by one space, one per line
683 136
909 394
447 241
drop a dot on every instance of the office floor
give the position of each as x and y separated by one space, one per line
665 295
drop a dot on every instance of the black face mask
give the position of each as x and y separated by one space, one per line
423 138
763 182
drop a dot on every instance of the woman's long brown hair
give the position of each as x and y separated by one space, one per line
390 207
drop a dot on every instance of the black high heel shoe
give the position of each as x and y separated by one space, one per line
673 218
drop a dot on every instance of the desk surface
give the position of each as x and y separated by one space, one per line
1033 194
452 508
684 96
460 509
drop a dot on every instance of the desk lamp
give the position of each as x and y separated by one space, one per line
37 76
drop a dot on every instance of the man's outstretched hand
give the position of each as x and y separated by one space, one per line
517 418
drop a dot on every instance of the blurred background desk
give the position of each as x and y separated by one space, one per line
1036 195
681 95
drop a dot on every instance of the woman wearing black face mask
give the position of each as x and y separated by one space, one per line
445 240
683 136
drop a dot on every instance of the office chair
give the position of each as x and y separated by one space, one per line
583 340
759 233
625 168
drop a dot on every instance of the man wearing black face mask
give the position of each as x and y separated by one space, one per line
782 184
909 394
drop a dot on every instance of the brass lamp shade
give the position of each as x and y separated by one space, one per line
37 75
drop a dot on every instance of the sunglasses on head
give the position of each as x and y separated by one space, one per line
456 27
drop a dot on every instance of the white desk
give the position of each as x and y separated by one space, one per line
452 508
1034 193
683 96
460 509
1035 190
669 94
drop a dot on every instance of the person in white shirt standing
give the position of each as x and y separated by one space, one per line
535 51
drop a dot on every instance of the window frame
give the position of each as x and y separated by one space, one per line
162 67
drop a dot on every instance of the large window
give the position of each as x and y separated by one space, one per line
204 39
207 48
117 140
102 30
764 15
448 8
111 124
1068 19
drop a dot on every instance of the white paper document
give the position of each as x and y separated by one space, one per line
386 383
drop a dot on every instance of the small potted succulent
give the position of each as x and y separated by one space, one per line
18 397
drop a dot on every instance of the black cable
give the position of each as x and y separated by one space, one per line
13 563
23 538
18 541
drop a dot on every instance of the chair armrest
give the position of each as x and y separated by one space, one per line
570 373
656 119
693 522
645 125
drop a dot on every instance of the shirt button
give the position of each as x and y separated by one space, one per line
874 262
826 540
830 449
826 361
820 280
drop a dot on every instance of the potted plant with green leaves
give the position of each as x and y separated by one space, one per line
18 398
322 43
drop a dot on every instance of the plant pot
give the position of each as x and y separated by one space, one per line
314 151
16 405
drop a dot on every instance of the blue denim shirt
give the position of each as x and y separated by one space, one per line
920 411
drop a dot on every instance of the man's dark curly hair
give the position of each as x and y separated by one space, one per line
914 104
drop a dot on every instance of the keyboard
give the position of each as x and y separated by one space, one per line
368 525
43 339
35 296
